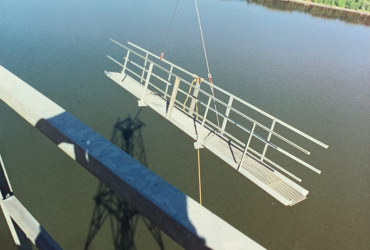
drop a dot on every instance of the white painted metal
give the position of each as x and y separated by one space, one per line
274 183
173 97
3 208
142 75
204 119
141 102
22 217
219 101
126 59
187 222
268 139
247 145
10 224
195 96
227 113
221 131
235 97
5 173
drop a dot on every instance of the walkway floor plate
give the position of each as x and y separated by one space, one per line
277 185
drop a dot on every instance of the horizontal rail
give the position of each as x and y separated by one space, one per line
237 98
246 117
222 103
279 149
153 74
229 107
242 145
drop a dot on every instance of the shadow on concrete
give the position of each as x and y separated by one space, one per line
109 207
156 199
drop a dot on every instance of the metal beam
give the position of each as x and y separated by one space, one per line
29 225
191 225
22 225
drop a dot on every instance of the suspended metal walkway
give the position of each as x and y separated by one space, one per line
164 87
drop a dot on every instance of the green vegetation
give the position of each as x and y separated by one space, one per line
322 12
349 4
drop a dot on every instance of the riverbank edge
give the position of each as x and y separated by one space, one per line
327 6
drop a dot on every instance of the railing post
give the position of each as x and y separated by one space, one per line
247 145
125 64
195 96
142 74
231 99
268 139
197 144
141 101
6 192
169 80
173 97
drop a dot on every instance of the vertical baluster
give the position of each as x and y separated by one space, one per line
226 114
125 64
173 97
247 145
204 118
142 74
141 102
169 80
268 139
194 100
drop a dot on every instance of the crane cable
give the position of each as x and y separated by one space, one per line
205 55
168 33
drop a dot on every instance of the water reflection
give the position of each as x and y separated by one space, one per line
353 18
122 217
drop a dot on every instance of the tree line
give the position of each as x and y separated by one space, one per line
316 11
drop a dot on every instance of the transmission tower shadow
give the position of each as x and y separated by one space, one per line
122 217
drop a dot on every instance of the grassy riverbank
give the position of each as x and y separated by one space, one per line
361 5
317 10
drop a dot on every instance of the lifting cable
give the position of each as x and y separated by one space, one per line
209 79
205 55
168 33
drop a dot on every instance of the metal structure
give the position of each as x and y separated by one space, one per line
22 225
191 225
151 80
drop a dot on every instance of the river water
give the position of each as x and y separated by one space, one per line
310 72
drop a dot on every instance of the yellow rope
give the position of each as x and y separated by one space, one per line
200 184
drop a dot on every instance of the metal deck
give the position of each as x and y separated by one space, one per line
247 161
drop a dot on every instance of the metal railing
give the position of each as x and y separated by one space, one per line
220 130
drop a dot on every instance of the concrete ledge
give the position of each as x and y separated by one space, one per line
179 216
